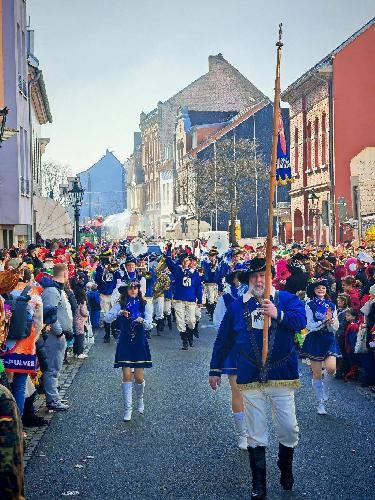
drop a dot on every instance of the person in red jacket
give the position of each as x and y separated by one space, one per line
349 285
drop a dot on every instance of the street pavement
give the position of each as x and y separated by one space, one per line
184 446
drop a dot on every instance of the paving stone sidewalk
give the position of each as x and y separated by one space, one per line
35 434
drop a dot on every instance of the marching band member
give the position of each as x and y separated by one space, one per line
198 308
168 297
161 284
234 289
320 344
106 279
210 281
236 262
132 350
150 278
242 327
131 273
188 292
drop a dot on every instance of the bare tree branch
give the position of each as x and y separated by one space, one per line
53 174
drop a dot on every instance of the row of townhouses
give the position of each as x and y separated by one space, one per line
24 109
329 126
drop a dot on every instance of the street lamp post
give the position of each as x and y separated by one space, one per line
74 192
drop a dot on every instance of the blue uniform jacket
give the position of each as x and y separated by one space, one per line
168 294
210 276
242 326
188 284
223 270
106 281
150 282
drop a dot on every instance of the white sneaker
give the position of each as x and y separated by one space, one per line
81 356
321 408
242 442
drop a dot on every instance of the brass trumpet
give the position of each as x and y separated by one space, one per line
113 266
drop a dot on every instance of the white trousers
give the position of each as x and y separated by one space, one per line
284 415
198 312
211 292
159 307
105 303
167 306
185 315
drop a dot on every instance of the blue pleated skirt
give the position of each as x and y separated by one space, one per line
319 345
133 351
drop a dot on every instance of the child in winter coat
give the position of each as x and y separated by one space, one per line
350 339
351 288
93 301
80 319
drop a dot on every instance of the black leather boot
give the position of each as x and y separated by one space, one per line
185 343
107 332
211 308
285 464
189 335
29 417
258 469
159 327
196 331
169 321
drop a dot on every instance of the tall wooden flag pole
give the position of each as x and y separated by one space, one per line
276 117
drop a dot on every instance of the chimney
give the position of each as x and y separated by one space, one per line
214 62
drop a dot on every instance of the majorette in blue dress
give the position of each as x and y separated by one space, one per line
132 349
320 342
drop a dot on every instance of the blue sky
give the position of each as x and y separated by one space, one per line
105 61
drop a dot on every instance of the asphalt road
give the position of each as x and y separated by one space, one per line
184 446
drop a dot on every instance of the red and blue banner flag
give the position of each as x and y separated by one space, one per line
283 169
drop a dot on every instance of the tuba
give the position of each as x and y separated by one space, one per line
163 281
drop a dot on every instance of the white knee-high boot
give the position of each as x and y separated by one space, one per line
327 381
242 434
139 390
318 389
127 390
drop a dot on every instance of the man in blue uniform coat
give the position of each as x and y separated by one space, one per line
276 380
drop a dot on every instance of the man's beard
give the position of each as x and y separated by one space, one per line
257 292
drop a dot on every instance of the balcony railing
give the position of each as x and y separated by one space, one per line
22 85
22 186
25 186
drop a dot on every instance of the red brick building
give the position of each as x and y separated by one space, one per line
332 110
